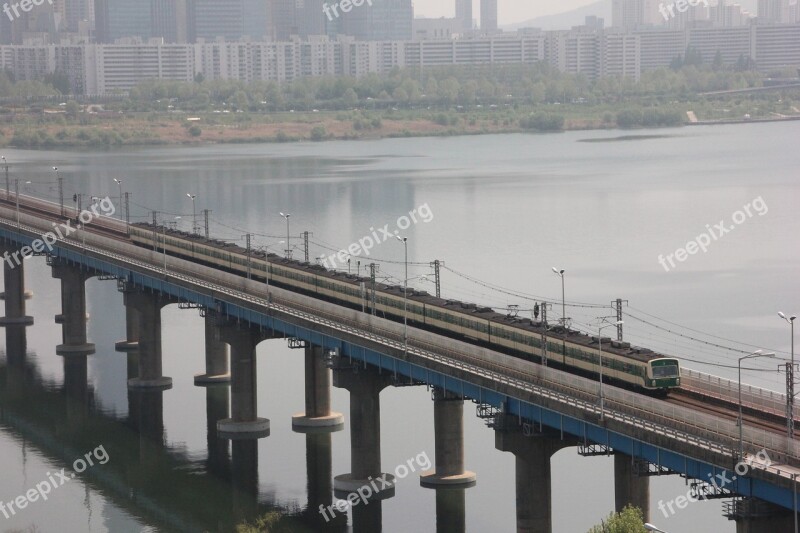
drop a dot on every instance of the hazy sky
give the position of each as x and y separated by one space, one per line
509 11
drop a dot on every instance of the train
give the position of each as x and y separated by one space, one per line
623 364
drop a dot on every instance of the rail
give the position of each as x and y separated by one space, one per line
525 378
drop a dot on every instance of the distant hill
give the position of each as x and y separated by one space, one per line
568 19
576 17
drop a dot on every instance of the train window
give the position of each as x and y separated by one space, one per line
665 371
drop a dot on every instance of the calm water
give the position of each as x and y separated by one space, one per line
505 209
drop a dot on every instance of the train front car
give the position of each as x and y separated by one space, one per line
663 374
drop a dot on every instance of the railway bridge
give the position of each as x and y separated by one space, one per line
534 410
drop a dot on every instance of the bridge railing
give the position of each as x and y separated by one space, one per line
728 390
529 378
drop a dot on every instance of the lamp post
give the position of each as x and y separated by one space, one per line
560 273
288 242
790 381
650 527
8 185
60 190
194 212
165 246
754 355
404 240
119 183
600 348
16 196
266 259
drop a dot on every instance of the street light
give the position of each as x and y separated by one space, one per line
404 240
8 185
560 273
266 258
194 213
60 190
651 527
600 348
288 246
119 183
165 246
790 381
754 355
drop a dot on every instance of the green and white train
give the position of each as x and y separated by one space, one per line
623 364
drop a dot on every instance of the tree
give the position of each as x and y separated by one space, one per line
630 520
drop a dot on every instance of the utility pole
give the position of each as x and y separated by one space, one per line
305 244
16 195
248 255
790 400
8 185
436 264
61 193
155 231
617 305
127 214
372 269
206 212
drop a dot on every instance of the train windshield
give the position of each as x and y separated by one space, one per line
665 371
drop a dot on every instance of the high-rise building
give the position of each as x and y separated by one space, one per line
632 14
74 11
774 12
118 19
168 20
488 16
387 20
230 20
464 14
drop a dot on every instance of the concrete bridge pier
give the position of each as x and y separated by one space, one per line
17 370
318 416
14 295
244 478
451 510
630 488
148 308
146 415
365 436
217 353
448 420
780 522
533 481
218 404
73 310
76 386
244 422
131 341
321 514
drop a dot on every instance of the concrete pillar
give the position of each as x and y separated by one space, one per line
318 415
244 422
14 279
148 307
17 371
244 478
629 488
766 524
451 510
146 414
448 421
131 341
218 406
76 387
73 310
533 487
365 434
216 356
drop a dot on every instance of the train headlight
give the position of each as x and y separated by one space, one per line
653 382
678 381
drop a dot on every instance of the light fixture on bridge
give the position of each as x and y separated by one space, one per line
560 273
288 242
789 381
194 212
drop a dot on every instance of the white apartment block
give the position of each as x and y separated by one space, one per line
103 69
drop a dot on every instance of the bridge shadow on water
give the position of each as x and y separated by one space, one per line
160 485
